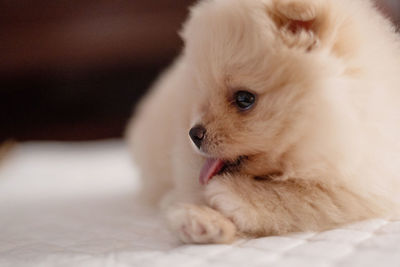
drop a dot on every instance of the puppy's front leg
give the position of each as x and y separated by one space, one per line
200 224
270 207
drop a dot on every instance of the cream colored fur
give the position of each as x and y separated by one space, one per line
325 129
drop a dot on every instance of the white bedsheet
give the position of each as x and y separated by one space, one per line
73 204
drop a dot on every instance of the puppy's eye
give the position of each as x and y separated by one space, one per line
244 100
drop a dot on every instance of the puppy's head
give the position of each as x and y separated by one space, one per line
260 71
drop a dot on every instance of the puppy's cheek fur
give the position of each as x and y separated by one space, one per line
221 195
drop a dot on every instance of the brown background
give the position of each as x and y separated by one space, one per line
73 69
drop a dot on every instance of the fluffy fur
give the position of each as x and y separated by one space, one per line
324 132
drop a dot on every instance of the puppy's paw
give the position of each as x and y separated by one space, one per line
228 195
200 224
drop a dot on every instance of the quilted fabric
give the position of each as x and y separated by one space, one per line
65 204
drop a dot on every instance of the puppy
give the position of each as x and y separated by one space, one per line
278 116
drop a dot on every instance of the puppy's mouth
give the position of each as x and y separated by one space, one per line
214 166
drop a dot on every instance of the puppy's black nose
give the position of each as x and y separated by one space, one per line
197 134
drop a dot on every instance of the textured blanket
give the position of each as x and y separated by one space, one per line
73 204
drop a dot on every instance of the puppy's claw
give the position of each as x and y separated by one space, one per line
200 224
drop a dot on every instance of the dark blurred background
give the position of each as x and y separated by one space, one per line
74 69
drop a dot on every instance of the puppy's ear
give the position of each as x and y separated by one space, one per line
301 23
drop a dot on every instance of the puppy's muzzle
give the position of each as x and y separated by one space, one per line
197 134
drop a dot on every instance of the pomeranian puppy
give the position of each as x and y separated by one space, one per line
278 116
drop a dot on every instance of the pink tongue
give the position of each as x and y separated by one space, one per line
210 168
